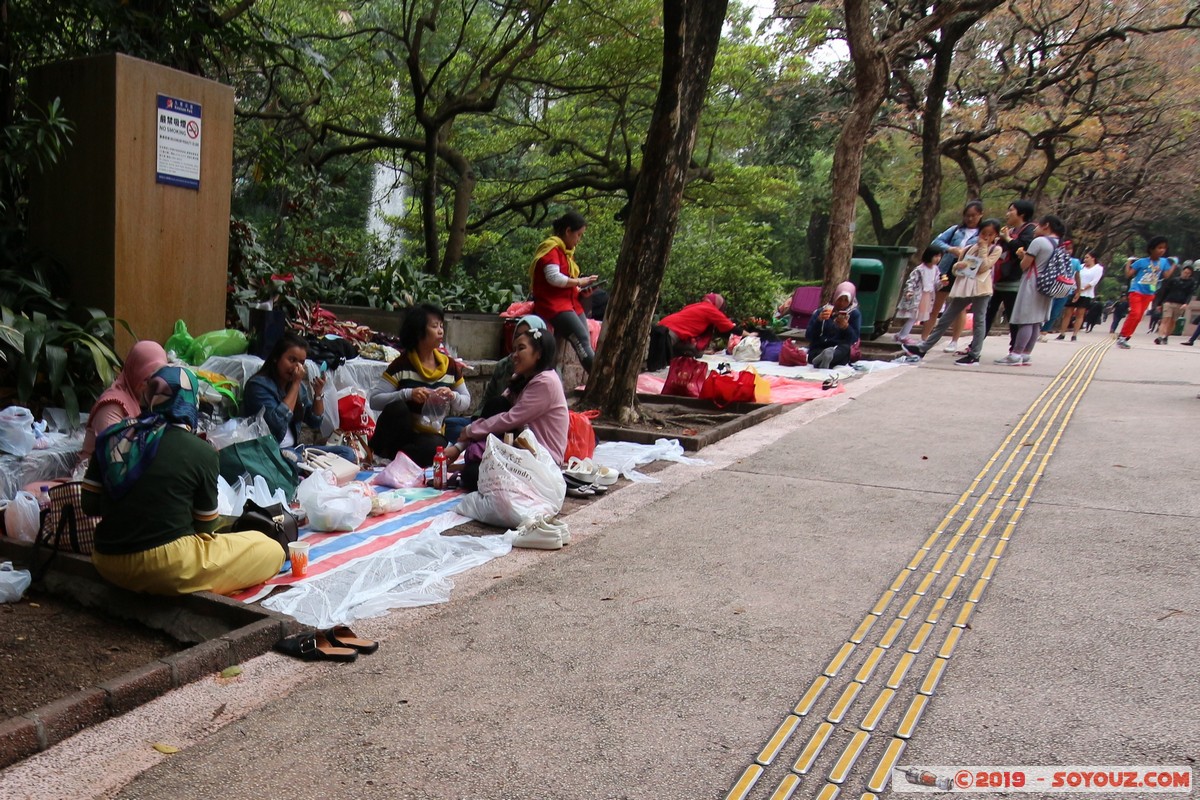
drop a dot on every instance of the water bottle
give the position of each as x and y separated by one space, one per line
439 469
44 498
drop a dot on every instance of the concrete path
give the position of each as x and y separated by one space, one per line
1045 513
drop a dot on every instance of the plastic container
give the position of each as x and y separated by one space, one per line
439 469
867 276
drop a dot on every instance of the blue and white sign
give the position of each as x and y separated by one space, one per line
178 142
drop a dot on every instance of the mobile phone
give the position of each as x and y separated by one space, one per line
324 366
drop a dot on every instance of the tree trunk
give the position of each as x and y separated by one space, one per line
429 186
870 88
464 190
691 34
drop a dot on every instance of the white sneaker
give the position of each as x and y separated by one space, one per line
952 347
555 525
536 535
1010 360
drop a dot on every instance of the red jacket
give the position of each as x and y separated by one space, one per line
693 322
549 301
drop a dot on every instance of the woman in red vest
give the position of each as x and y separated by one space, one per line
557 283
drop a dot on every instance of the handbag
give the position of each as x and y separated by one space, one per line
685 377
274 520
724 390
66 527
343 470
792 355
259 456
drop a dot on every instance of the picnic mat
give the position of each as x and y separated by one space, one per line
788 384
398 560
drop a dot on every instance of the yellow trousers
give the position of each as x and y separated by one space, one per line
203 562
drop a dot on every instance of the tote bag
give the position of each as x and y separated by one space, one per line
259 456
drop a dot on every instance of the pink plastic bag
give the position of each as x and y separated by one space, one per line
518 309
402 473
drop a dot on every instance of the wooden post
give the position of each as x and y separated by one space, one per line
145 251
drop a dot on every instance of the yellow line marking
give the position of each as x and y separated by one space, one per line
977 592
920 556
778 740
879 778
829 792
900 671
849 756
912 716
871 720
999 549
745 783
947 648
964 616
953 543
951 587
838 713
918 641
973 550
863 627
935 613
925 584
839 660
868 796
989 570
906 612
940 563
900 579
965 566
810 697
786 787
892 633
882 605
933 677
868 667
813 748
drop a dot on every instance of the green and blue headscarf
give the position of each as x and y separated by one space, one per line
128 448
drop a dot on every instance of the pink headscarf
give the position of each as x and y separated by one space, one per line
715 299
846 289
144 359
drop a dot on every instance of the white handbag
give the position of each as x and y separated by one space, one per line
344 471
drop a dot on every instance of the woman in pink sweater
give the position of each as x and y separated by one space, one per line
533 400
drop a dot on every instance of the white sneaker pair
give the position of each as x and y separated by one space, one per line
542 533
952 347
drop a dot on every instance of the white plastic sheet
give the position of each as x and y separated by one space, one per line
626 457
412 572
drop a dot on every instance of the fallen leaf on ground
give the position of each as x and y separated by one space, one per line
35 605
231 672
165 748
220 710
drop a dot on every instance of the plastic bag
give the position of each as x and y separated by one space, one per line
402 473
352 412
228 342
515 485
386 503
748 349
433 414
23 518
238 429
626 457
331 507
16 430
180 342
13 582
581 436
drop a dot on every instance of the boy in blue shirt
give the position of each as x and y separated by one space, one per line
1145 275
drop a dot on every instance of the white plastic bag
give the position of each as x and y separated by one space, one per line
514 484
23 518
239 429
748 349
16 430
331 507
402 473
13 582
230 499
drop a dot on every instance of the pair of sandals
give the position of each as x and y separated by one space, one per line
585 478
338 643
832 382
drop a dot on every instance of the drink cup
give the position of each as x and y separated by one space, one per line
298 554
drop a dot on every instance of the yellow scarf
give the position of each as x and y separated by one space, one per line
544 248
441 365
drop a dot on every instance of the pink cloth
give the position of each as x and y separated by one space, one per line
784 391
542 406
123 399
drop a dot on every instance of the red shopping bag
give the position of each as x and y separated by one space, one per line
581 436
685 377
353 416
724 390
792 355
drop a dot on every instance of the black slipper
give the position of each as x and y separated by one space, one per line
342 636
314 646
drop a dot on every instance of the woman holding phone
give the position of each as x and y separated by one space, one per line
557 285
834 330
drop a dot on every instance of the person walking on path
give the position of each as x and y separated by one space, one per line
1144 275
1080 306
1176 292
1059 304
953 243
972 287
1032 308
1119 310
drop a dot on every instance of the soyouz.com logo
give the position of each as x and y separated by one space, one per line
1017 779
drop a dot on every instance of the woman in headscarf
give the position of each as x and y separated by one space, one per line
834 330
688 331
155 483
124 398
557 284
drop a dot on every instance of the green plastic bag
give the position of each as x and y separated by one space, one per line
180 342
259 456
228 342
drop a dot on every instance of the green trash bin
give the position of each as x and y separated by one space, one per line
867 276
895 263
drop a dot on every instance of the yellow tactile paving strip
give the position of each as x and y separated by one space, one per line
901 651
